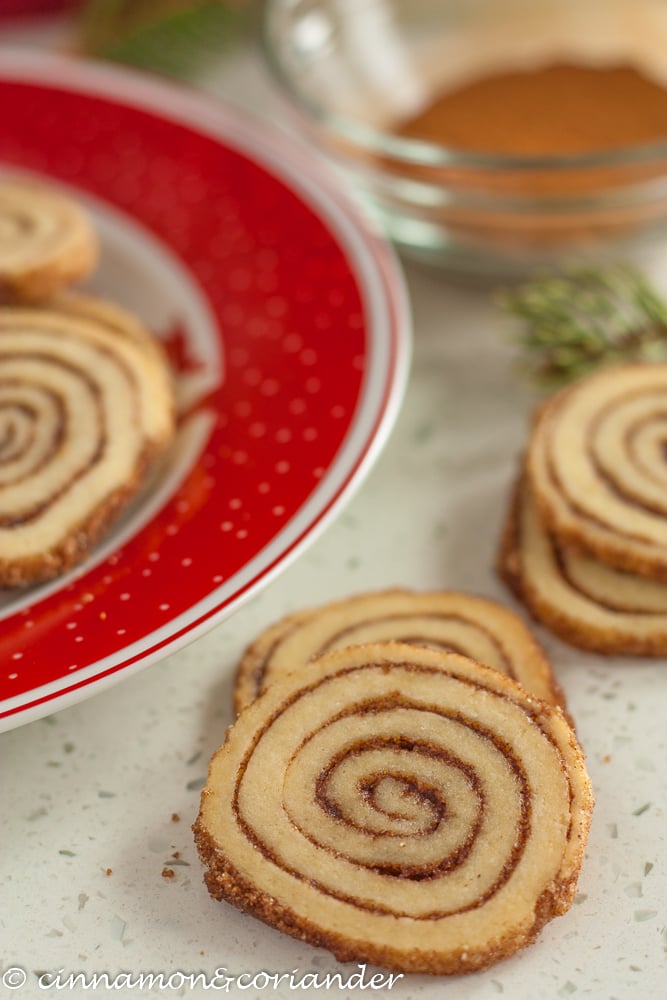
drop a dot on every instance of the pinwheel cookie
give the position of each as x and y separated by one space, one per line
597 471
474 626
84 412
46 242
582 600
398 805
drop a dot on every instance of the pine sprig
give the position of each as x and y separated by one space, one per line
577 321
167 37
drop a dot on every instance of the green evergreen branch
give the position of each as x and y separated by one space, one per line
168 37
572 323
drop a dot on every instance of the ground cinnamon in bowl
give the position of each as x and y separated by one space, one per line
493 137
559 109
576 149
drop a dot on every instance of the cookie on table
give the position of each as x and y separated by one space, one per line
398 805
47 242
583 601
84 413
596 467
474 626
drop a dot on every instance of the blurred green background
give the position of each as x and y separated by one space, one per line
174 37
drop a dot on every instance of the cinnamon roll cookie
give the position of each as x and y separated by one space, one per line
474 626
46 242
84 412
121 322
597 470
398 805
585 602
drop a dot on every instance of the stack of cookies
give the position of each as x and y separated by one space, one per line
86 399
585 545
385 795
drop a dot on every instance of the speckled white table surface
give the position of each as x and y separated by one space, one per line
98 870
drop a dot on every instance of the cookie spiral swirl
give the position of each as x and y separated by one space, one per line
474 626
82 415
46 242
584 601
597 469
398 805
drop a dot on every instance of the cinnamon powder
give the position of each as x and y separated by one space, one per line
551 111
556 109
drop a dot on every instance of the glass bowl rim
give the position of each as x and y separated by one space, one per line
425 153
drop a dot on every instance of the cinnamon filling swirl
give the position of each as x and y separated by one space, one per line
597 468
83 412
472 626
46 242
584 601
399 805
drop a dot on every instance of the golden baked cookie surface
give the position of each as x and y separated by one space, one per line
473 626
584 601
398 805
84 411
596 466
46 242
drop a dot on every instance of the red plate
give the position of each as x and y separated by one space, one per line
288 327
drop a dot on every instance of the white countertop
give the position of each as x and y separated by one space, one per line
97 800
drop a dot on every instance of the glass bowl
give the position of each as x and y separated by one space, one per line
352 69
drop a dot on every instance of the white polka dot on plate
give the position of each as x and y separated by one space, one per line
239 357
243 408
276 306
270 387
292 343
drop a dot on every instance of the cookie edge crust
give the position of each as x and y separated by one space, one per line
619 552
226 884
246 688
571 630
247 684
80 540
36 285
